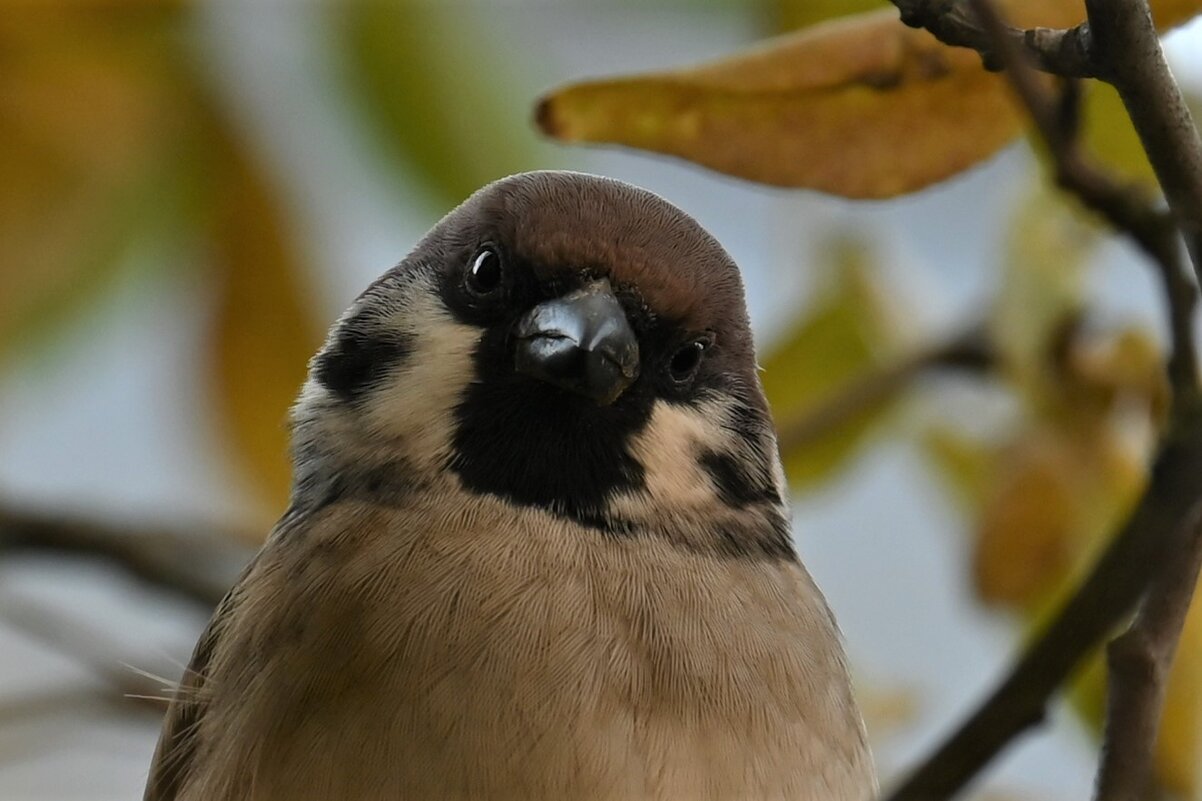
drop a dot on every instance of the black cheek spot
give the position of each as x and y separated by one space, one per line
748 424
734 485
765 540
356 361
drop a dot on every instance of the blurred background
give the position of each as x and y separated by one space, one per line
966 379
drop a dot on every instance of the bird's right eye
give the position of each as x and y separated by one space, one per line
485 274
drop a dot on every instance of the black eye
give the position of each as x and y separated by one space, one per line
485 274
685 361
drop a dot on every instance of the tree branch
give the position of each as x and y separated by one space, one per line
1125 38
969 350
1124 206
1138 670
1065 52
1120 45
200 565
1104 598
1159 526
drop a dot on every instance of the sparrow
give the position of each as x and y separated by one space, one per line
538 544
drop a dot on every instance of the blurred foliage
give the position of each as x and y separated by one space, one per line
110 136
1044 495
90 148
263 330
849 329
404 60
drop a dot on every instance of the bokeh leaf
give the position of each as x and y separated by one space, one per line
89 117
435 88
846 333
1060 484
964 462
1180 742
792 15
1109 134
1043 282
263 331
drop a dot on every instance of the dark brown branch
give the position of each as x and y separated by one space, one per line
1154 531
1120 45
969 351
1106 596
1064 52
1139 663
1125 38
1124 206
201 565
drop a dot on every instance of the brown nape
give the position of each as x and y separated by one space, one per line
572 221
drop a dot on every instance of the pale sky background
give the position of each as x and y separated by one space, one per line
106 423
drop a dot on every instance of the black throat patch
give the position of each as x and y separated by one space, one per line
537 445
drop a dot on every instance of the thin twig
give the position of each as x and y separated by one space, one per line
1138 663
1061 51
1124 37
1118 44
1124 206
969 351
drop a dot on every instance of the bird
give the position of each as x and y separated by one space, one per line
538 544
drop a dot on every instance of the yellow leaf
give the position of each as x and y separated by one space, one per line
1059 490
862 107
262 334
843 335
1109 134
1171 13
1070 474
1043 283
1026 533
965 463
793 14
1179 747
91 110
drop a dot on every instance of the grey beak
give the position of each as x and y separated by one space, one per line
581 342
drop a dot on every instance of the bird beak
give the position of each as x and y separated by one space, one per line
581 342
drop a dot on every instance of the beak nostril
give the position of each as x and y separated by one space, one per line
581 342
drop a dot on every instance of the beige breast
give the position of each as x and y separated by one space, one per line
453 661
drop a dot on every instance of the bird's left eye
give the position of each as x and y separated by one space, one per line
685 361
485 273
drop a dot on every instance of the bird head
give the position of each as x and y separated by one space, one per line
564 343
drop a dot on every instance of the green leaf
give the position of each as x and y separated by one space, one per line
795 14
1043 283
964 462
436 90
90 113
843 336
1109 134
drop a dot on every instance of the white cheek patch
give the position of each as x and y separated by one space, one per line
416 406
668 448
